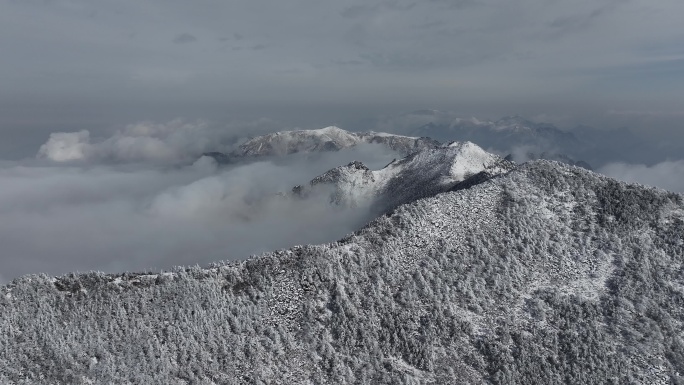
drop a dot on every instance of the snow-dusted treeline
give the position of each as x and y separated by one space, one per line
548 274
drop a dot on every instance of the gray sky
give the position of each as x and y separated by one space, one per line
603 56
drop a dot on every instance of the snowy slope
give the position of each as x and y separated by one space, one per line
325 139
423 173
288 142
547 274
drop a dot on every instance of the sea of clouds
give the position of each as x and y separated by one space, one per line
146 199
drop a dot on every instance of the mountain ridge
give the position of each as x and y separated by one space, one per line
545 274
325 139
529 140
420 174
500 134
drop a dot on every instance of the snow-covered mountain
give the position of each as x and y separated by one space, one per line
527 156
546 274
502 134
423 173
325 139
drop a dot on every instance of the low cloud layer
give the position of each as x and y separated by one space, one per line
668 175
143 198
84 206
171 142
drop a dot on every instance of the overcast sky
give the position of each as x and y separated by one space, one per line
77 63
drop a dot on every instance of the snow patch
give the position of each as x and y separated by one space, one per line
469 160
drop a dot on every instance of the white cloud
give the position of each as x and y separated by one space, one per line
522 154
171 142
66 146
63 217
668 175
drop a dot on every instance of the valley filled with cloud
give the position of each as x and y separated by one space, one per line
146 198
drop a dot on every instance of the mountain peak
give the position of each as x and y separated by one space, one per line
331 129
331 138
422 173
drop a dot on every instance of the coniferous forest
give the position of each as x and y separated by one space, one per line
548 274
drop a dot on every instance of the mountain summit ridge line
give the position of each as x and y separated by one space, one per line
546 274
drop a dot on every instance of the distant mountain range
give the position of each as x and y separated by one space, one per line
321 140
503 135
513 134
582 145
500 134
523 138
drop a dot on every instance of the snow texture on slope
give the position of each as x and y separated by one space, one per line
421 174
325 139
547 274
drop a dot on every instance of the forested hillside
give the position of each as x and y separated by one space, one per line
547 274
